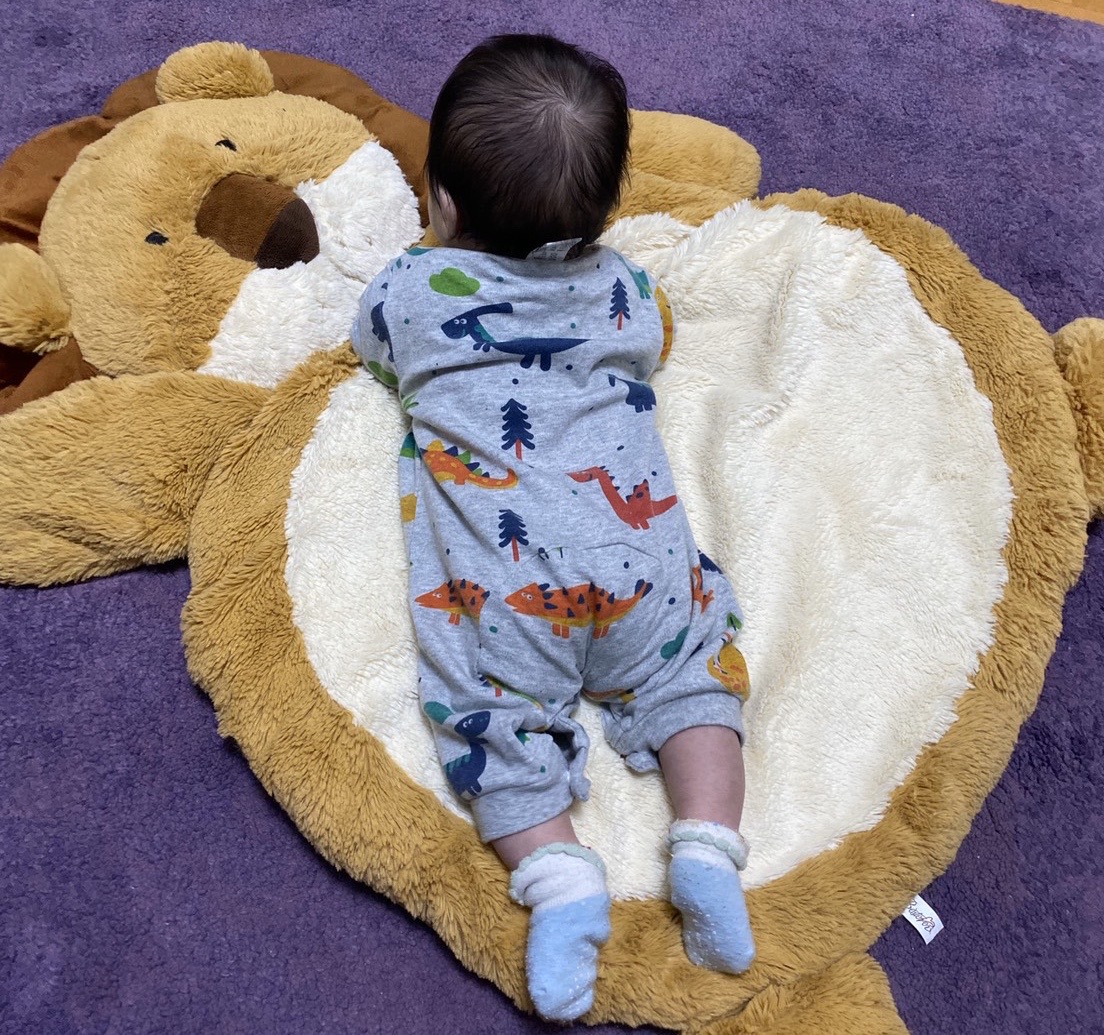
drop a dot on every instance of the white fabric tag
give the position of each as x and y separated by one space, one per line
923 918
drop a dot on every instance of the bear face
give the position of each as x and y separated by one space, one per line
147 290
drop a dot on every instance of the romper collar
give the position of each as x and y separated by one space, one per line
554 250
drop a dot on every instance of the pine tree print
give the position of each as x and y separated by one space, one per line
511 532
516 429
619 303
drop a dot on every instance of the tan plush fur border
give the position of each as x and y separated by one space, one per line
1079 350
815 923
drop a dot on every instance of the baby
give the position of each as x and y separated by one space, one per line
549 554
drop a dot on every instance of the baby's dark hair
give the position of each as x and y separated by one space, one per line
530 137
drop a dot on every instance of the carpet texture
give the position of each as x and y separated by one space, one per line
148 883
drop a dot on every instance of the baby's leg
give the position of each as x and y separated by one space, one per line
518 762
514 848
704 770
564 884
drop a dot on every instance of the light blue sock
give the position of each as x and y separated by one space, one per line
705 888
565 886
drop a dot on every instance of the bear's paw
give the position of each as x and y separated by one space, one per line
34 315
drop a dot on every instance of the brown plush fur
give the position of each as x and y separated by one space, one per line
852 995
130 470
30 175
53 372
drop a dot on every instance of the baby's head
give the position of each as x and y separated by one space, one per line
528 143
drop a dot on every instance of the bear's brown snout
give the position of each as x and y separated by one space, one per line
258 220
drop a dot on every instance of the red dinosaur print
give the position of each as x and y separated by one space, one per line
457 597
575 606
634 509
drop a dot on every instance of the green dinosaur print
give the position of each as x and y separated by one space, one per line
451 281
672 647
438 712
383 374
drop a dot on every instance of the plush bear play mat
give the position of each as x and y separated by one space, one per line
890 457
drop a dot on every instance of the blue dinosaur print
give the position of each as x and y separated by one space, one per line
640 397
467 325
707 564
379 329
464 772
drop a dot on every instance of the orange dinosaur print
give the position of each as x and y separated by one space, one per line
697 586
450 465
730 670
634 509
457 597
575 606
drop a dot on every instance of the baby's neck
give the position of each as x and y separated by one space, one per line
464 243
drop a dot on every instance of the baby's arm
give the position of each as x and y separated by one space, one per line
370 336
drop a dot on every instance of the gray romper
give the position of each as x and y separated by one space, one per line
549 554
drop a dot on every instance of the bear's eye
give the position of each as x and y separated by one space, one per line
156 237
227 143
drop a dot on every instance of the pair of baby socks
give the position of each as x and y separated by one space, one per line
564 885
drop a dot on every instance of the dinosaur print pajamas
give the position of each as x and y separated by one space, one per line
549 555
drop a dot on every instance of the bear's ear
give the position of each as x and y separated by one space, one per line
213 71
34 315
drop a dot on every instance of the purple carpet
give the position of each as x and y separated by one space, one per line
147 883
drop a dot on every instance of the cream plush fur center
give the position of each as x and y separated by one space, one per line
836 460
365 213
